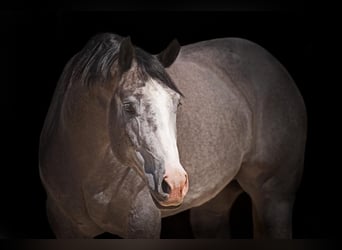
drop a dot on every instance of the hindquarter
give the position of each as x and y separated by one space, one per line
279 124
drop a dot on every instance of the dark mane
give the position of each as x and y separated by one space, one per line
92 65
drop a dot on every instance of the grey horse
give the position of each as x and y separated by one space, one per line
131 137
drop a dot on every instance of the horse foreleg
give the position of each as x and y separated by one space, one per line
145 219
211 220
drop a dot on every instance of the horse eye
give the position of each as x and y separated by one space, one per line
179 104
129 108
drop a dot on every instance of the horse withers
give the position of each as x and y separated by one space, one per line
131 138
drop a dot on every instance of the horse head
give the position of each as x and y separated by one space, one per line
142 121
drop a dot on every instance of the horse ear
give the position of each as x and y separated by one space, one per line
126 54
169 55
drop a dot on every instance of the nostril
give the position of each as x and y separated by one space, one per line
166 187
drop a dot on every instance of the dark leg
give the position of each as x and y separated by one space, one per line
272 188
272 201
211 220
272 216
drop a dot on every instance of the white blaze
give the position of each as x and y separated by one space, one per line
163 106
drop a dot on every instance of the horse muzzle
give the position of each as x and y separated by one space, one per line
174 187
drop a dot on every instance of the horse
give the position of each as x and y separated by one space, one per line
132 137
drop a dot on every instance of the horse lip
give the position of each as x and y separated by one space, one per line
159 197
161 201
162 205
171 204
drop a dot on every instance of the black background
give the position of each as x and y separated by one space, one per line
37 43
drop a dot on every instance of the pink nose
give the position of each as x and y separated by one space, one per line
176 185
